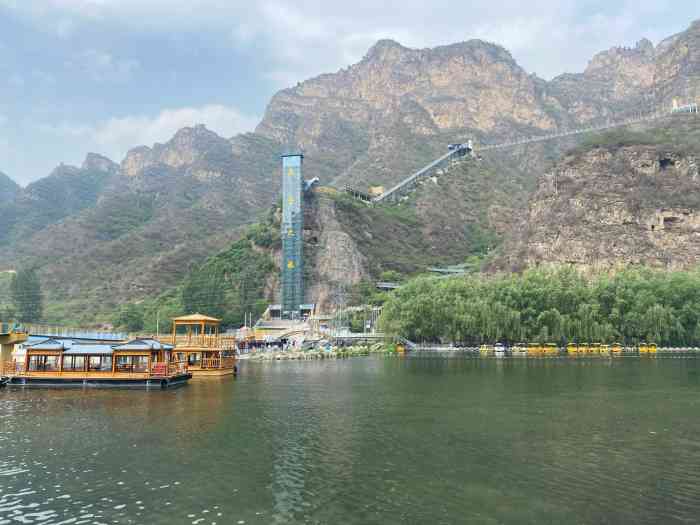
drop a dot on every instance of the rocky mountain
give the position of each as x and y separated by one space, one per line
629 198
163 210
8 189
104 234
66 191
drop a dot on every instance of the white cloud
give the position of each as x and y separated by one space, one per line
102 66
114 137
299 38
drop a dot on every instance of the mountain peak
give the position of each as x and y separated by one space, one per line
64 169
8 188
183 149
97 162
385 49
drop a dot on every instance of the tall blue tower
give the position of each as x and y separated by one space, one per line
292 235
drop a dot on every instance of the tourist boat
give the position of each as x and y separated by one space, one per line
519 350
141 363
572 349
550 350
616 349
197 340
534 350
486 350
499 350
647 349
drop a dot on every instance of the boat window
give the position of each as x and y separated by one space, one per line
140 363
100 363
73 362
36 363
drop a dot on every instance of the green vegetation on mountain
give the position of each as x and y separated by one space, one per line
228 285
679 134
557 306
27 300
65 192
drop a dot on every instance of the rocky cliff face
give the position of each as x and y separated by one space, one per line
618 204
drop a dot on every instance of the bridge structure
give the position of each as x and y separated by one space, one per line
457 151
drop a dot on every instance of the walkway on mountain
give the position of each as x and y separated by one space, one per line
461 150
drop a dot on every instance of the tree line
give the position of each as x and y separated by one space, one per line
549 306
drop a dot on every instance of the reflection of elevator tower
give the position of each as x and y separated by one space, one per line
292 235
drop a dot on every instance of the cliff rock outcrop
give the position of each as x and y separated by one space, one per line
617 204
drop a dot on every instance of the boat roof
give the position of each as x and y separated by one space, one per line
196 318
143 344
89 349
70 347
50 344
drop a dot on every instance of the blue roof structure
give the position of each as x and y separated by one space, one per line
143 344
92 349
70 347
50 344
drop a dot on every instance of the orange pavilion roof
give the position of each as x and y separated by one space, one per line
196 318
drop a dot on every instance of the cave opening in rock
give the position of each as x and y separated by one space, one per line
669 222
666 163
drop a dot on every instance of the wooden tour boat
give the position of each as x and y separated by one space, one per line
140 363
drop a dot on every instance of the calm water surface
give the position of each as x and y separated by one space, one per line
375 440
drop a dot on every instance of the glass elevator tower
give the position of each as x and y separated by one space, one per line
292 235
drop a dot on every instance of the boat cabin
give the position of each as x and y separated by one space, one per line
197 340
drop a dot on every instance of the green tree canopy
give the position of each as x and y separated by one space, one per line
557 306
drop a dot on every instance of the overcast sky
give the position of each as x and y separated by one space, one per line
107 75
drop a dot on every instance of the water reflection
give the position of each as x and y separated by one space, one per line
364 441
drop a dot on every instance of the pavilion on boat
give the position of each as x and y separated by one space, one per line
65 362
197 340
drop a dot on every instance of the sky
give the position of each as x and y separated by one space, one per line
104 76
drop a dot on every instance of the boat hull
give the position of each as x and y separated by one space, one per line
136 383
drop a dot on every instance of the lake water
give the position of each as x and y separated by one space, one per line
373 440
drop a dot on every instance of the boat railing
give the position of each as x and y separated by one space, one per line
177 368
216 362
193 341
19 368
7 368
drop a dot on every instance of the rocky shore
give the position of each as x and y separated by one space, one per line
333 353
